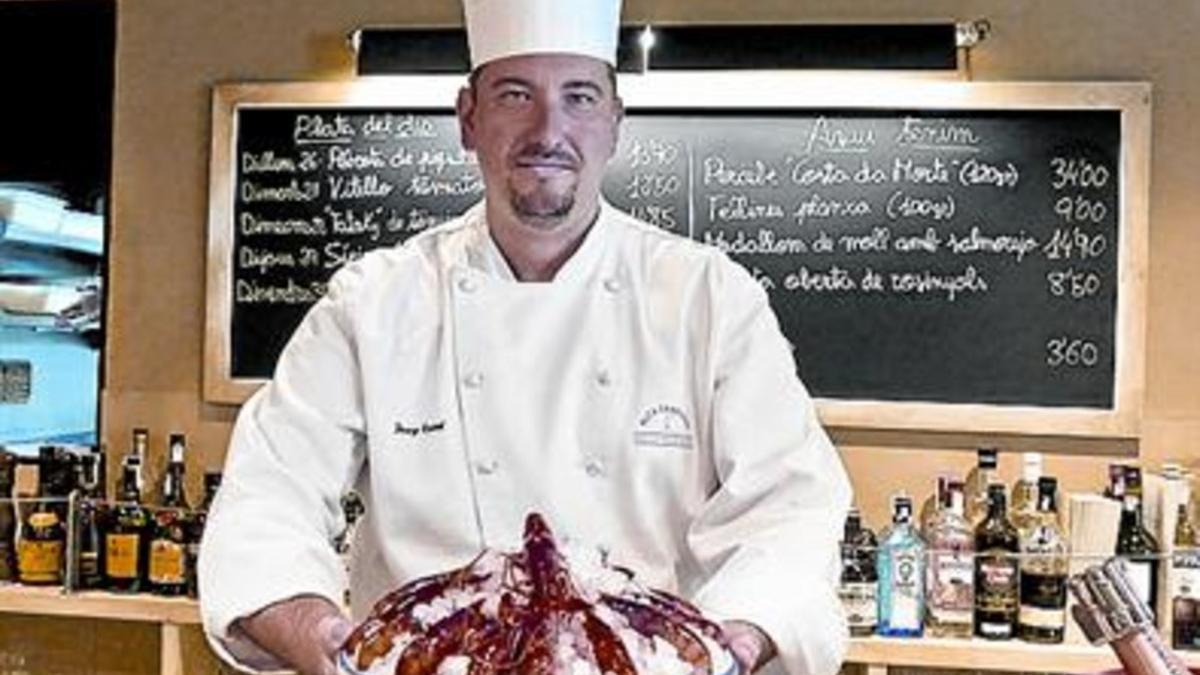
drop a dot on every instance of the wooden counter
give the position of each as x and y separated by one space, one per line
171 614
874 655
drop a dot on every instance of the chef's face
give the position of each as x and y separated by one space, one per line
543 127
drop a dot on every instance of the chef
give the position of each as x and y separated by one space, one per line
544 352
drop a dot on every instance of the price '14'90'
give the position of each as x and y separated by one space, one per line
1071 242
1064 351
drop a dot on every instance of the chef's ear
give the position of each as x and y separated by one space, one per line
465 107
618 113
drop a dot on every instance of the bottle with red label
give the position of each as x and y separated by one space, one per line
997 576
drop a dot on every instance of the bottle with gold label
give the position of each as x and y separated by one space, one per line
1041 616
40 552
168 545
125 543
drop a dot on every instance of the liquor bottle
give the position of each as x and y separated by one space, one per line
139 450
978 481
168 544
90 524
1135 545
8 518
996 572
1116 481
951 582
859 582
40 551
1043 614
55 478
125 543
212 481
1023 511
1185 590
933 506
901 567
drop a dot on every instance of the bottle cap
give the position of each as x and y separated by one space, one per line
178 444
995 492
1133 480
853 524
1031 466
987 457
8 467
43 519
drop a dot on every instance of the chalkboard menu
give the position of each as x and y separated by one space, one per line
928 255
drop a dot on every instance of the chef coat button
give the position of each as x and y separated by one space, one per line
466 285
603 378
486 468
594 468
612 284
473 380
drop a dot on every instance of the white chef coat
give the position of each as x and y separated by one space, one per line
644 401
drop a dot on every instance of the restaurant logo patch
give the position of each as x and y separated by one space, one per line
664 426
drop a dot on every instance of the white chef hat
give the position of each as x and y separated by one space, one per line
500 28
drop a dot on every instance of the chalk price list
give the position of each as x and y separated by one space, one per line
336 187
655 184
1078 243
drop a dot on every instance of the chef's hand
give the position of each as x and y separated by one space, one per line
750 646
305 632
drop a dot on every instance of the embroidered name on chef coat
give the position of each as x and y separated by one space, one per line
664 426
402 429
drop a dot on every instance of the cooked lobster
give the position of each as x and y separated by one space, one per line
523 613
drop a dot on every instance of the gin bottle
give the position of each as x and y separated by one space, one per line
950 579
901 567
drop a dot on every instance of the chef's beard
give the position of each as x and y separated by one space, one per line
544 206
546 202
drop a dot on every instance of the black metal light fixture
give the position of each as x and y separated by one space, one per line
885 46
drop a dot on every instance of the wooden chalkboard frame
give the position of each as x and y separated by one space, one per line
713 91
